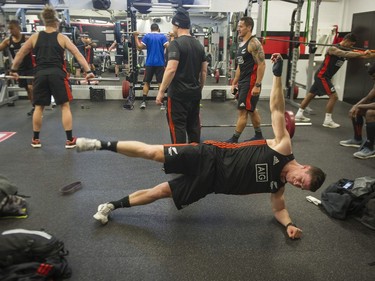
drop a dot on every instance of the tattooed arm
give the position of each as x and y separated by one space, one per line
256 49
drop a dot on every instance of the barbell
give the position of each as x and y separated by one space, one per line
5 77
290 124
125 84
131 33
74 34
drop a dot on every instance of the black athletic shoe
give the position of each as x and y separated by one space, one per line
255 138
277 67
233 139
31 112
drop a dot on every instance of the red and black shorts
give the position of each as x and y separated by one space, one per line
246 100
322 86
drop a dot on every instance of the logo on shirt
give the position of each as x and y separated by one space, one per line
261 172
339 63
172 150
273 185
243 51
275 160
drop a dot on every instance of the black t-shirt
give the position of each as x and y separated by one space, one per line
249 167
330 65
190 54
245 62
28 61
49 54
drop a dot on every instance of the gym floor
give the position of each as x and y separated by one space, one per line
217 238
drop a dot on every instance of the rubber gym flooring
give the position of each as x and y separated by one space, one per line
217 238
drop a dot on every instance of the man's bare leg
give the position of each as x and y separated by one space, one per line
328 121
128 148
306 101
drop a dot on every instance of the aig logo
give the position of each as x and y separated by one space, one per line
261 172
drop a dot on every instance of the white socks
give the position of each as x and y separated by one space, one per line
300 112
328 118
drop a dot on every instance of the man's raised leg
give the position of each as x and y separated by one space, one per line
128 148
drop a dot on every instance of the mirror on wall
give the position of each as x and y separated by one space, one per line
100 28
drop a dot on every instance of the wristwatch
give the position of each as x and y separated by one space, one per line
258 85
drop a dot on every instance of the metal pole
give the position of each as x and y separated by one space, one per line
295 49
314 29
259 19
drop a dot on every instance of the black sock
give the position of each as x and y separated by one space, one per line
236 134
36 135
357 126
122 203
258 132
109 145
370 131
69 135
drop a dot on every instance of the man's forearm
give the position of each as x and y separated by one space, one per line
282 217
367 106
260 72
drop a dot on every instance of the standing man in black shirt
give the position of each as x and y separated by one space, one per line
14 43
249 76
51 76
184 77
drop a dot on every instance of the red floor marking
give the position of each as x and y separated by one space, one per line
5 135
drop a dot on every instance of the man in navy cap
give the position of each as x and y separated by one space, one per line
184 77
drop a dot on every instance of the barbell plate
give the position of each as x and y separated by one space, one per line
290 123
295 92
117 31
75 35
125 88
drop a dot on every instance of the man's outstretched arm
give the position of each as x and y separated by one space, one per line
277 102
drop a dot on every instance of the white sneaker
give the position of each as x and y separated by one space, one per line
301 118
351 143
331 124
143 105
103 212
84 144
365 153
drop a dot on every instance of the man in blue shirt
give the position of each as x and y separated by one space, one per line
155 43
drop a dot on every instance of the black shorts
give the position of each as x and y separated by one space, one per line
197 164
322 86
120 59
54 84
23 83
245 99
150 71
